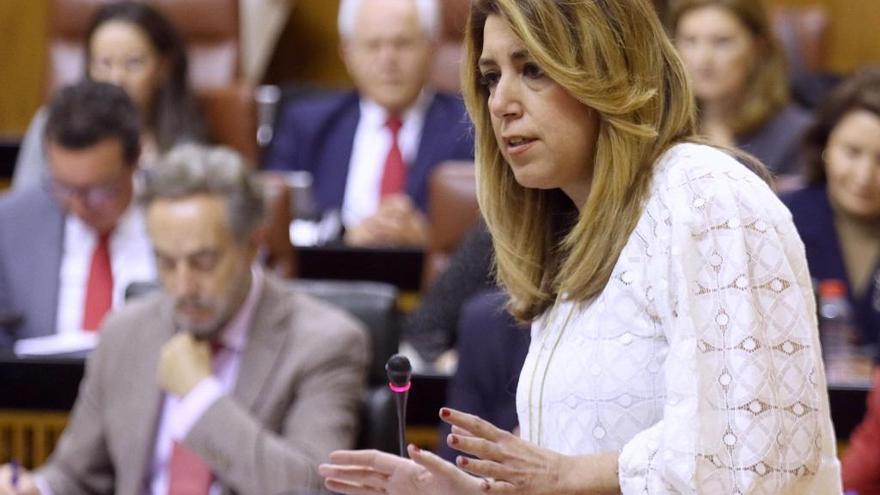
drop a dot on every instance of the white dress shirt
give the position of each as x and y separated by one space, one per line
179 415
372 142
131 260
699 362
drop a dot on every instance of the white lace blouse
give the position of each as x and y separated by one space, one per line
699 362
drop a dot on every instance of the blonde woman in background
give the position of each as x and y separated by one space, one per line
674 345
738 73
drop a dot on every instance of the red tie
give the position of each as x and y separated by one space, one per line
190 475
394 174
99 291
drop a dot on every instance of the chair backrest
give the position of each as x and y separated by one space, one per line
374 304
453 211
210 29
445 71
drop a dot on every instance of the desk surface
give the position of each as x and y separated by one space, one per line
401 267
9 146
52 384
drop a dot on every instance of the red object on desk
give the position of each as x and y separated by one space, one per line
861 464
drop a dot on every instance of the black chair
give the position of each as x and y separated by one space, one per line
374 304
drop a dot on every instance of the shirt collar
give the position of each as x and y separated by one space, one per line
376 115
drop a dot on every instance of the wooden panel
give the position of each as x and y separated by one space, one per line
852 32
22 62
29 436
308 48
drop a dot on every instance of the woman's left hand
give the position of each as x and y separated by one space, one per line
515 466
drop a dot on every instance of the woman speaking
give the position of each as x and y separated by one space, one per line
674 345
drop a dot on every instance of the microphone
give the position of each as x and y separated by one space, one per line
399 372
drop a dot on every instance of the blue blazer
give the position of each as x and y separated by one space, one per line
813 217
317 135
31 240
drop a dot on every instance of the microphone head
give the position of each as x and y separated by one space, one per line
399 370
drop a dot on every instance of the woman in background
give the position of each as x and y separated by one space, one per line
673 329
132 45
838 217
838 213
738 74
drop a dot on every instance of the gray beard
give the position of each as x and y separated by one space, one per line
207 332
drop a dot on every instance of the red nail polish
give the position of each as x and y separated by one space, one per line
416 447
445 412
462 461
453 440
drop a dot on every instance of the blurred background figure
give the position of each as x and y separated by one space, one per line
491 348
131 45
371 150
227 380
432 327
838 213
69 249
739 78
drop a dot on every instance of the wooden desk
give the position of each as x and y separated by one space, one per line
37 393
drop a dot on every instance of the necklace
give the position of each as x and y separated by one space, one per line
551 317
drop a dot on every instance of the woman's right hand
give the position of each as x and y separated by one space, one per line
369 472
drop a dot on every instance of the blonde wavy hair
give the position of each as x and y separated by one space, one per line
614 57
766 91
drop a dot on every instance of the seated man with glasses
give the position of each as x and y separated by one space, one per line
69 249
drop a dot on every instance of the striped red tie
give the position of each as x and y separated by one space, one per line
99 291
394 174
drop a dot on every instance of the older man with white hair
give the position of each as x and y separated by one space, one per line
371 150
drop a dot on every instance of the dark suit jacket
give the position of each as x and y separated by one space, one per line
492 348
777 142
317 134
295 400
432 327
814 220
31 239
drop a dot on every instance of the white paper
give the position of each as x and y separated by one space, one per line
62 343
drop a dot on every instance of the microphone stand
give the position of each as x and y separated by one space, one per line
399 371
400 396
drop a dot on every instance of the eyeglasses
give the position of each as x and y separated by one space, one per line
92 196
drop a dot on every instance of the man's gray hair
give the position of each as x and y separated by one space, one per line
190 169
428 12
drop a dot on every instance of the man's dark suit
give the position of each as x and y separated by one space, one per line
317 134
295 400
31 239
814 219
